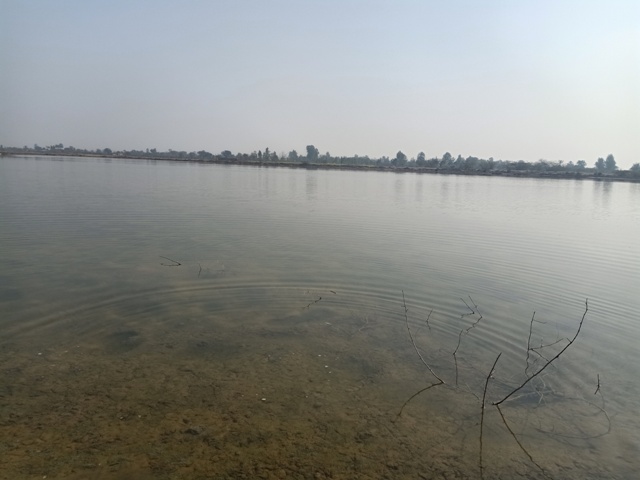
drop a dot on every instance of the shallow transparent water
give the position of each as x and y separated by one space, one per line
278 347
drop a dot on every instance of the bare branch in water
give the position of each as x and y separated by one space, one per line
526 368
312 303
586 309
504 420
459 340
602 410
465 331
416 394
476 307
413 342
455 363
428 317
534 355
175 263
584 437
549 344
484 397
472 311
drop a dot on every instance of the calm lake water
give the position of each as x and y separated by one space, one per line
172 320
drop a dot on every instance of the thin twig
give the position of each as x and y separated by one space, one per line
584 437
476 307
504 420
526 368
586 302
535 350
549 344
602 409
416 394
312 303
177 264
459 340
473 325
406 318
465 331
471 309
455 362
484 396
428 317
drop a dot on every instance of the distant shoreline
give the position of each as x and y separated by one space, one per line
332 166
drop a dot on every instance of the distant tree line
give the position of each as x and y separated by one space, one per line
311 156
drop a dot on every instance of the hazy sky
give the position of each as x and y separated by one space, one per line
558 80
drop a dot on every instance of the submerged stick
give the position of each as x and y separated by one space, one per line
542 345
428 317
470 327
586 302
312 303
465 331
504 420
526 369
484 397
459 340
476 307
471 309
177 264
416 394
406 318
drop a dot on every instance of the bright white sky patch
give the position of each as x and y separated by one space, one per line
558 80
